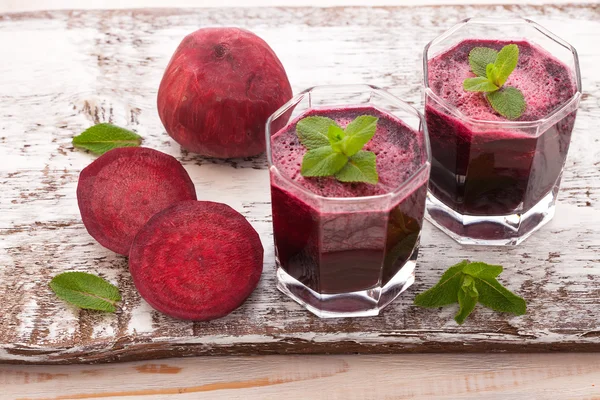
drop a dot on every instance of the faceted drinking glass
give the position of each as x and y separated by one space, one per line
347 256
496 182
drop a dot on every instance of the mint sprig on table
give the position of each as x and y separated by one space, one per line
493 69
103 137
468 283
333 151
86 291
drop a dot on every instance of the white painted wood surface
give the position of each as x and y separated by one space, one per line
63 71
374 377
34 5
532 376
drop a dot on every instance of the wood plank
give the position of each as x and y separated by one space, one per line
418 377
36 5
68 70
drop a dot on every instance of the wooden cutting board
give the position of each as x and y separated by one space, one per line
64 71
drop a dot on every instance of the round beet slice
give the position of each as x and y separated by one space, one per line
119 192
196 260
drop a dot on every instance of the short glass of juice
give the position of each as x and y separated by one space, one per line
494 181
348 248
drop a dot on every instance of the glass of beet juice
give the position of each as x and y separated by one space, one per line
494 181
345 248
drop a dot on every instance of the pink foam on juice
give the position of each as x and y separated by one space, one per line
395 145
545 82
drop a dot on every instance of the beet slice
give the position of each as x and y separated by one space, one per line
196 260
119 192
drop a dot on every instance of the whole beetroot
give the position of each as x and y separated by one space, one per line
218 91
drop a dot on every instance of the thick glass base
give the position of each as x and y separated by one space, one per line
501 230
362 303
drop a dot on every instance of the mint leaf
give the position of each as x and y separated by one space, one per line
335 151
85 291
103 137
495 296
493 69
468 283
323 161
445 291
479 58
358 133
336 136
479 84
467 299
361 167
482 270
508 102
506 62
312 131
492 74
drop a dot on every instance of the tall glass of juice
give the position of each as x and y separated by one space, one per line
348 248
494 180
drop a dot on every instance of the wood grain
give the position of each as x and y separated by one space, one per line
63 71
418 377
34 5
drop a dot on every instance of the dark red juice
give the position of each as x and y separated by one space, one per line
334 237
493 170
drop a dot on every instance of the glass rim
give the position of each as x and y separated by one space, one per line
548 119
364 87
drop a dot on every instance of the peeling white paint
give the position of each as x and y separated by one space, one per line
27 317
141 320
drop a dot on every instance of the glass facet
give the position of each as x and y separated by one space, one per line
347 256
496 182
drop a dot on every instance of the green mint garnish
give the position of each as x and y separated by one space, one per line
324 161
358 134
506 62
479 58
493 69
510 100
85 291
336 136
103 137
333 151
360 168
467 284
312 131
479 84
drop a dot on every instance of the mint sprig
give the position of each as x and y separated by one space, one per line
312 131
468 283
493 69
333 151
103 137
324 161
359 168
86 291
480 58
510 100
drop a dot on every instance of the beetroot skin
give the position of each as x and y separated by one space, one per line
119 192
218 91
196 260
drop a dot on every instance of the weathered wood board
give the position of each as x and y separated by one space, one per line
63 71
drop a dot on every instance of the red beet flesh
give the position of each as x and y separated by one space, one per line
218 91
119 192
196 260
